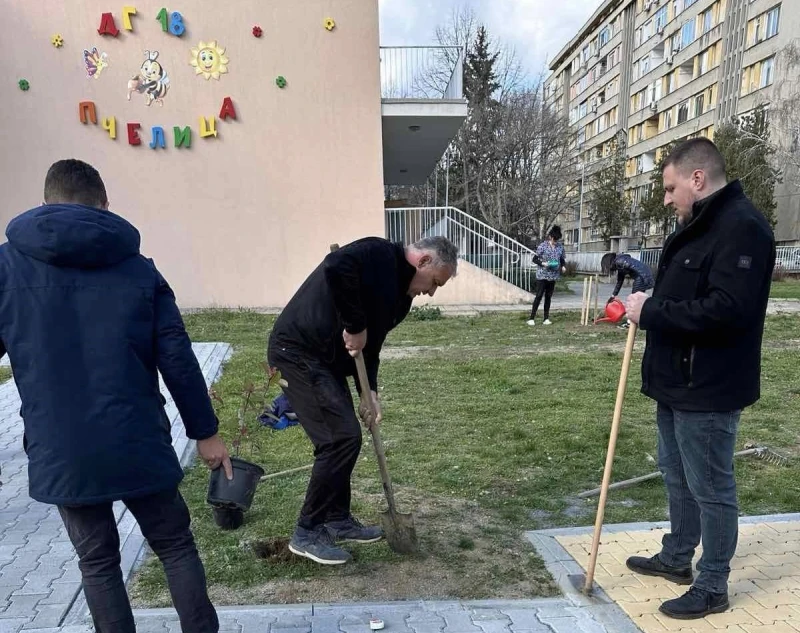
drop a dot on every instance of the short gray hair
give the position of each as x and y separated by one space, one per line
445 253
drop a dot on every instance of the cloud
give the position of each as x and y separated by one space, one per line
536 29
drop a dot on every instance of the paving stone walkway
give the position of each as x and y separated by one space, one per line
40 583
764 587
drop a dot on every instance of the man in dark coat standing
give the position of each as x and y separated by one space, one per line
87 323
702 365
347 305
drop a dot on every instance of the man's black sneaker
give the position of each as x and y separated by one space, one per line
695 603
654 567
351 529
317 545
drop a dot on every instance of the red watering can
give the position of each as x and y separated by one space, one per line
615 312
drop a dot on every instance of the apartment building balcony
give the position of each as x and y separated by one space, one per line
691 126
423 107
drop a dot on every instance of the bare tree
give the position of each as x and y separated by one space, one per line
785 111
529 178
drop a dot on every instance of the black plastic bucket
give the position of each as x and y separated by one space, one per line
240 490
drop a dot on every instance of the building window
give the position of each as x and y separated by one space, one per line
767 72
604 37
699 104
773 17
683 112
688 3
661 18
677 7
708 20
687 33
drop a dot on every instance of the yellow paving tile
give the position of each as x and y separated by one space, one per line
764 583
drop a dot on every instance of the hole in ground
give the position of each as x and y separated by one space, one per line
273 549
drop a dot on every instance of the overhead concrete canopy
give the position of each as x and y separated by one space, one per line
415 136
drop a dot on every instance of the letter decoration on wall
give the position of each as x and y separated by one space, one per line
107 26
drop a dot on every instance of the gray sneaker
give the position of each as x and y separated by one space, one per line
351 529
318 545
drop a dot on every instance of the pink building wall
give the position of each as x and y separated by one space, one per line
235 220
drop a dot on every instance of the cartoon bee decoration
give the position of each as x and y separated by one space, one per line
95 63
152 79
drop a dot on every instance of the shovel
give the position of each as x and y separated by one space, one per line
399 528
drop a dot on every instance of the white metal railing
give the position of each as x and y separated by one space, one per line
422 72
788 259
478 243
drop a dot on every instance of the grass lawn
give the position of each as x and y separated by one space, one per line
491 428
5 374
786 289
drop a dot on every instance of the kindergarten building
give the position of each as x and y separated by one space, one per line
241 139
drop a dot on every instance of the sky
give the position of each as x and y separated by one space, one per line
537 29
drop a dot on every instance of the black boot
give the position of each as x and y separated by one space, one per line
654 567
695 603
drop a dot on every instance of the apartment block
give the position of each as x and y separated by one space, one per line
649 72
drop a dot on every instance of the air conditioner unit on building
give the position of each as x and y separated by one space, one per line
654 106
660 30
669 60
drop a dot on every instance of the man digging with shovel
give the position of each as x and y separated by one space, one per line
345 308
702 365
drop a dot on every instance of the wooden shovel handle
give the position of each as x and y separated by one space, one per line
374 430
612 446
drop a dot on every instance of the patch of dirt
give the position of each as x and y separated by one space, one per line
464 553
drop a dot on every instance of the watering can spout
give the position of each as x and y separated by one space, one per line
615 312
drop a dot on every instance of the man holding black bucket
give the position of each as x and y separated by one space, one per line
347 305
87 323
702 365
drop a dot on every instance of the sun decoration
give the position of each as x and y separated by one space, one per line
258 31
280 81
209 60
57 40
23 84
329 24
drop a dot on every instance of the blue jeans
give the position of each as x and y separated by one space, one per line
695 454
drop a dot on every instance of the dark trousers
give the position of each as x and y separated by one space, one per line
544 288
164 521
695 454
321 399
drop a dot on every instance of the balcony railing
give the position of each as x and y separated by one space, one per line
422 72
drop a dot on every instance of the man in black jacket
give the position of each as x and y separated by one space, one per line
88 322
346 306
702 365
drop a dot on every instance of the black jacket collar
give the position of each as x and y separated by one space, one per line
405 271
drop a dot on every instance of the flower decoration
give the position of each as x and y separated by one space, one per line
258 31
24 84
280 81
329 24
57 40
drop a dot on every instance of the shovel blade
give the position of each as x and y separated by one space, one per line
401 535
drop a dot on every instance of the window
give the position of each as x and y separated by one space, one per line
604 37
708 20
576 63
687 33
683 112
773 17
661 18
582 110
767 72
677 7
668 119
581 136
585 54
675 43
688 3
699 104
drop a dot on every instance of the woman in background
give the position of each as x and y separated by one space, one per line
550 260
